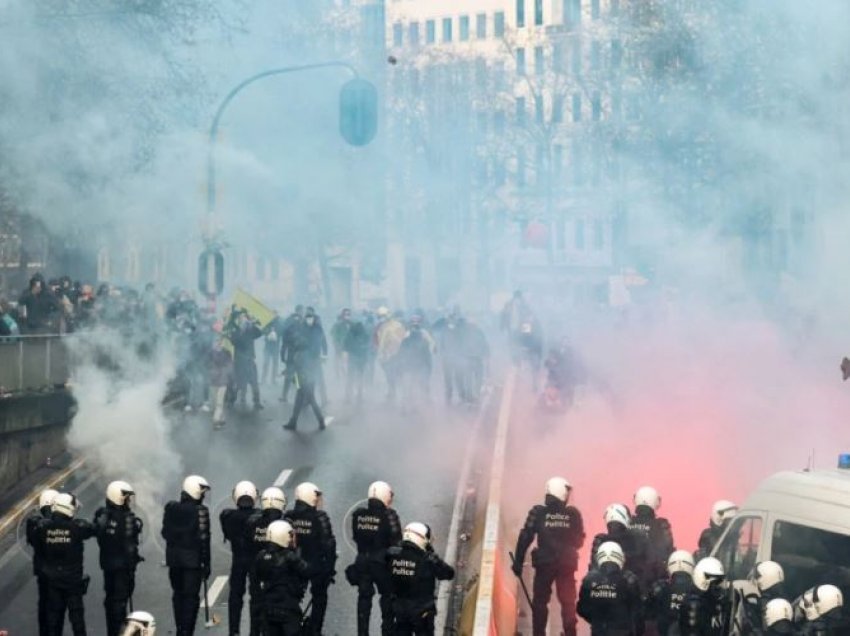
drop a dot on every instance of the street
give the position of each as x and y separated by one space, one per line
419 455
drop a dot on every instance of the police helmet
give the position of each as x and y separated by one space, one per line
722 511
382 491
196 487
680 561
417 533
709 570
767 574
776 612
139 624
610 552
281 533
273 497
559 488
65 504
119 493
45 499
617 513
309 493
245 489
647 496
818 601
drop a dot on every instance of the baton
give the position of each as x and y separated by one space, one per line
521 582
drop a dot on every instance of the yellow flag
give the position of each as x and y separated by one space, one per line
254 307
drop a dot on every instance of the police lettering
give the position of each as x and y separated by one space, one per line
58 536
403 567
556 520
603 590
368 523
302 526
676 601
260 535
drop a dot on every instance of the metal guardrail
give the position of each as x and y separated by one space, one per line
33 363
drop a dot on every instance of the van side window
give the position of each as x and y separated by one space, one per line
740 546
810 556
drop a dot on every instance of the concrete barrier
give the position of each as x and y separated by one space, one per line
32 363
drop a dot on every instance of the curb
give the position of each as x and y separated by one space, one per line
11 518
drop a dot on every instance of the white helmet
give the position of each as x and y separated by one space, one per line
195 486
610 552
776 611
707 571
723 511
559 488
767 574
680 561
245 489
273 498
139 624
119 493
45 499
417 533
65 504
617 513
382 491
648 496
383 312
281 533
818 601
309 493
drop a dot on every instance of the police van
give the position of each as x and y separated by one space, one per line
800 519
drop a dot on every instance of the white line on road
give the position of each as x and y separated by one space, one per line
215 590
282 478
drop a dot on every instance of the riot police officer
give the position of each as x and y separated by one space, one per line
234 527
59 542
610 598
777 618
186 530
559 530
118 530
139 624
655 534
282 576
375 528
617 520
272 504
414 570
768 579
666 596
818 612
45 501
317 544
722 512
705 611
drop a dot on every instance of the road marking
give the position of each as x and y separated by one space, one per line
215 590
284 476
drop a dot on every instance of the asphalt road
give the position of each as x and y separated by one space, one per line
419 454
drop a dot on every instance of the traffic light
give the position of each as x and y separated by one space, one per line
211 272
358 112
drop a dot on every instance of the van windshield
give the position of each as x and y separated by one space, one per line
810 557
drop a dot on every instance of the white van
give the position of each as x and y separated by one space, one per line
800 520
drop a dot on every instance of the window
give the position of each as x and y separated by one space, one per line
520 61
538 109
413 34
595 55
557 160
576 107
739 547
598 235
594 9
558 57
481 26
596 106
538 12
499 24
616 53
579 234
520 13
576 58
558 109
572 12
810 556
464 28
430 32
538 60
520 111
520 167
397 31
447 29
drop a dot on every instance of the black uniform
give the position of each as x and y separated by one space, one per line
610 601
630 542
375 529
186 530
282 575
59 543
234 526
705 613
118 530
255 533
656 542
414 573
708 538
317 545
666 598
31 527
559 529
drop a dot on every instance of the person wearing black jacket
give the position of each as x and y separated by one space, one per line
243 336
186 530
118 530
722 512
309 346
282 576
666 595
356 346
288 331
59 543
45 501
610 598
559 530
375 528
272 504
414 570
317 544
655 535
234 527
